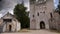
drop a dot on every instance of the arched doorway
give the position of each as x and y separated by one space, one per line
10 28
42 25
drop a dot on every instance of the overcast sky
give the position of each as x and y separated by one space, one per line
9 4
56 3
27 4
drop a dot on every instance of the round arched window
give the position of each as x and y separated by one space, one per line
38 14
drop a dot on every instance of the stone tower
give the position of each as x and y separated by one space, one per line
40 13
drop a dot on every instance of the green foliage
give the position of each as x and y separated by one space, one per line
21 15
57 10
59 6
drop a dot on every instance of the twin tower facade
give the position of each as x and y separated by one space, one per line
40 13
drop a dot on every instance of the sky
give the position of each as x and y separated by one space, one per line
26 2
10 4
7 4
56 3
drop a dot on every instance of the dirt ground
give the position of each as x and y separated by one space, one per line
34 32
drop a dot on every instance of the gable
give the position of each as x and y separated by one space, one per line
7 16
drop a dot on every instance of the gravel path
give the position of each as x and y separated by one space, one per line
34 32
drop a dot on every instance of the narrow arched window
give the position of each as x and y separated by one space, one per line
38 14
33 16
51 15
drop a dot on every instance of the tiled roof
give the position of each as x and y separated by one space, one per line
3 12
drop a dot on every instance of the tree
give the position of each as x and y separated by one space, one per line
21 15
59 5
58 9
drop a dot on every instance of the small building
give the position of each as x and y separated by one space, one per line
8 23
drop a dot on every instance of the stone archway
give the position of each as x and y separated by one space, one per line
10 28
42 25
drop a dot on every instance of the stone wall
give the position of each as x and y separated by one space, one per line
55 23
40 12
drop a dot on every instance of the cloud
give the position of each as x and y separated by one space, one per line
26 2
56 3
9 4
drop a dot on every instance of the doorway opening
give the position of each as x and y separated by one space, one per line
42 25
10 28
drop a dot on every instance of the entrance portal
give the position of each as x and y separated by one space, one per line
42 25
10 27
